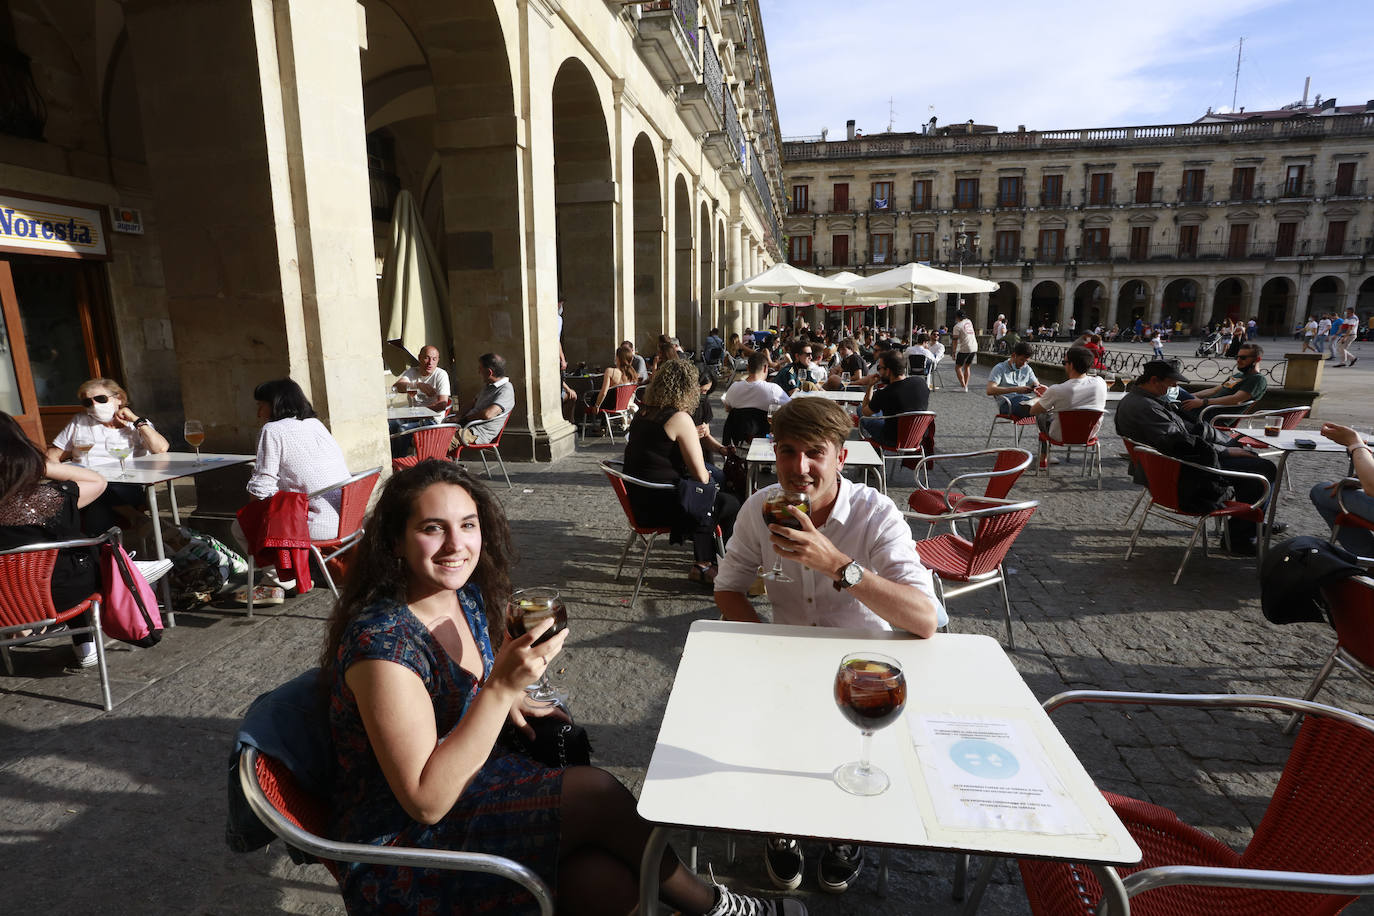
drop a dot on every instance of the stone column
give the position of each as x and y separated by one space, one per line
733 317
254 130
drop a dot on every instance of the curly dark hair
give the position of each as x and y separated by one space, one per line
375 572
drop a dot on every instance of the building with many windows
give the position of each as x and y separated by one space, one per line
1266 215
197 196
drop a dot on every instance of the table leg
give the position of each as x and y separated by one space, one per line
172 497
164 586
975 894
1272 510
648 871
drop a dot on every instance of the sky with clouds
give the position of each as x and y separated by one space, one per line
1056 64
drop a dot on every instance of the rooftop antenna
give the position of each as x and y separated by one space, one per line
891 113
1235 88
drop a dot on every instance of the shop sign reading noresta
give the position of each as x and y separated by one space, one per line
33 226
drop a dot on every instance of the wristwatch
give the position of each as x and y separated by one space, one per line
141 421
850 575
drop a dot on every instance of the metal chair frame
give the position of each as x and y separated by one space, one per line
1118 891
1018 424
1178 516
481 448
645 533
26 577
289 825
341 542
624 395
1343 619
908 425
985 508
1091 444
999 482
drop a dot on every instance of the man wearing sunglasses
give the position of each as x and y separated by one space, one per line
801 373
1246 385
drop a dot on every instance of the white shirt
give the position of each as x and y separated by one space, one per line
1310 328
937 350
438 379
999 329
1324 326
965 337
760 395
101 434
1087 392
863 524
301 456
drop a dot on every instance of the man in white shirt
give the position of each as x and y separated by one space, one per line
999 330
1347 331
965 347
754 391
924 359
851 564
428 382
1323 335
1081 392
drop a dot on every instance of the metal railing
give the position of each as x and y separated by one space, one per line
924 202
1096 198
1291 189
1062 199
1241 190
712 77
1011 201
968 201
1194 194
684 11
1146 195
1128 364
1353 188
732 127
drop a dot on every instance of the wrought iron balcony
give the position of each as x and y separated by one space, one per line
669 40
1062 199
1243 191
1105 198
1143 196
1351 188
1194 194
1292 189
840 205
703 103
924 202
968 201
1011 201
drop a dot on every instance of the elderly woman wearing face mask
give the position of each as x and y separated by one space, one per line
108 418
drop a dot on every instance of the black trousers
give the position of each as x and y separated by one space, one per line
1242 531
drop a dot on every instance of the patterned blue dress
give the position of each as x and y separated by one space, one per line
511 807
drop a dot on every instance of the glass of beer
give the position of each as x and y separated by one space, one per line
81 445
526 609
775 513
870 691
194 434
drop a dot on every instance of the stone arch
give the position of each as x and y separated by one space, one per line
1327 294
647 216
1180 299
584 213
1364 300
1089 304
1275 301
1132 302
688 318
1045 300
1004 301
1229 300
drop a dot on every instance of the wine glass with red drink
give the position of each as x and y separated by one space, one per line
527 608
870 691
775 513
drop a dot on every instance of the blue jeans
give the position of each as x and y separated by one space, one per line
1357 502
1014 404
875 428
1319 342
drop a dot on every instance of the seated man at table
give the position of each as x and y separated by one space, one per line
851 564
849 361
431 389
1358 499
920 355
487 416
1012 382
898 393
1080 392
1144 416
801 374
1245 386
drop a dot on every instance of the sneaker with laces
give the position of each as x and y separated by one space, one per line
839 866
782 857
85 654
730 903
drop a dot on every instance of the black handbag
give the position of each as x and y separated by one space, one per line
696 499
556 743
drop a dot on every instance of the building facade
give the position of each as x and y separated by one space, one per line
236 164
1267 217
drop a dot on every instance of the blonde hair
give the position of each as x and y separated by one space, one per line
108 384
674 384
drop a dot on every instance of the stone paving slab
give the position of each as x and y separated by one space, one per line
135 796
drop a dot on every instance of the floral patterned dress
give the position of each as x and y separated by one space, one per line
511 807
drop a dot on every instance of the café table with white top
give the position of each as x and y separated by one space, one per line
1283 443
150 470
840 397
857 454
412 413
752 734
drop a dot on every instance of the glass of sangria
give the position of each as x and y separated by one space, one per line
775 513
870 691
194 434
526 609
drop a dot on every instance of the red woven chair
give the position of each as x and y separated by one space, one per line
912 429
1018 424
26 603
928 503
481 448
976 563
620 413
1351 602
1161 476
620 483
1317 836
301 819
1077 427
429 442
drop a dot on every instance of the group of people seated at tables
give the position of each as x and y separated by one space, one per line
428 386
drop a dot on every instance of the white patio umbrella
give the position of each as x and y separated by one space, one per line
783 283
920 280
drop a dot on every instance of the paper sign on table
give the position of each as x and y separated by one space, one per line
991 774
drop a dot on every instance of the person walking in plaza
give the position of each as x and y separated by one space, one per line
1359 501
851 563
965 347
1245 386
423 680
1349 330
1319 343
1309 332
1080 391
1012 382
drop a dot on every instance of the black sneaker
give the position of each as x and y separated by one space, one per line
839 867
730 903
783 859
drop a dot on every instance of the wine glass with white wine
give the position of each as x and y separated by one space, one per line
194 433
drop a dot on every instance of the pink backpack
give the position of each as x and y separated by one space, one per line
128 611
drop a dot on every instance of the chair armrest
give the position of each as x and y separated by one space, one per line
113 535
986 506
1223 472
1346 483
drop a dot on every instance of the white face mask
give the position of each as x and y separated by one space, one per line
103 412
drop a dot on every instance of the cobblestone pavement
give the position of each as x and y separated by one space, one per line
131 803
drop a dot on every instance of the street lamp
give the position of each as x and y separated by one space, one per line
965 245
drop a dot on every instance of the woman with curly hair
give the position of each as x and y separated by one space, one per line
665 447
422 679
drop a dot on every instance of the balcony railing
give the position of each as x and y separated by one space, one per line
968 201
840 205
1009 257
923 202
1291 189
669 40
684 11
1194 194
703 104
882 203
1203 251
798 207
1352 188
1241 190
1011 201
803 260
1144 196
1099 198
732 127
1062 199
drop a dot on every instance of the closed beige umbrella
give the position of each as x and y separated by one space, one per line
413 297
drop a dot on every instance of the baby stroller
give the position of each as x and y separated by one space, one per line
1211 345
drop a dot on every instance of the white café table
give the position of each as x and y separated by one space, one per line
858 454
412 413
1283 445
751 735
150 470
841 397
